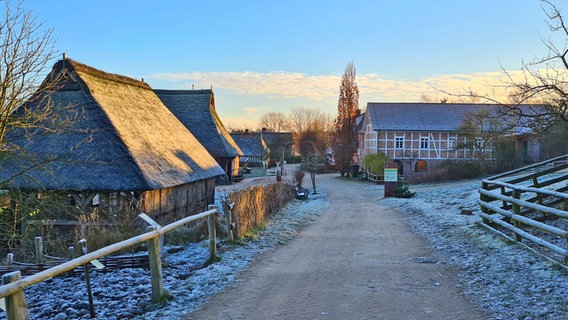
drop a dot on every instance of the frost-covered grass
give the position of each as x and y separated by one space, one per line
508 280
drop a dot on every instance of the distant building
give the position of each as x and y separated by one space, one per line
254 148
420 136
268 146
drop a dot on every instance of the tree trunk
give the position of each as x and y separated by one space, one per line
313 176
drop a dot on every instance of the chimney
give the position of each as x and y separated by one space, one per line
264 129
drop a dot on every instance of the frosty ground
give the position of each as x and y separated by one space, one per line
507 280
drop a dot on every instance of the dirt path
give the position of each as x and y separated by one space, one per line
357 261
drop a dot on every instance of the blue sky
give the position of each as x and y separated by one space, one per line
262 56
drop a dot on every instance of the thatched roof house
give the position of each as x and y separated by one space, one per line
255 150
124 140
196 110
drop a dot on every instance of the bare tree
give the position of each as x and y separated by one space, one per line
544 83
482 130
304 119
275 121
344 140
26 51
545 79
312 121
27 48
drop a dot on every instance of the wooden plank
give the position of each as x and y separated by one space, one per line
526 235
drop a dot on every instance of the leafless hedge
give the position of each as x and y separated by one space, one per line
255 204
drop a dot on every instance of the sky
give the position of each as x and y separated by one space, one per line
265 56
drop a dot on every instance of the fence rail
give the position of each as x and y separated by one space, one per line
531 203
14 284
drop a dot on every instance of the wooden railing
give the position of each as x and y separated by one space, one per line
13 284
373 177
531 203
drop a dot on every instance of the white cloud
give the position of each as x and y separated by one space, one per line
251 110
252 93
372 87
283 85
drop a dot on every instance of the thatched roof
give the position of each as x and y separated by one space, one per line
196 110
126 140
252 144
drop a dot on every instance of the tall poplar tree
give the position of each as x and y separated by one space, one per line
344 139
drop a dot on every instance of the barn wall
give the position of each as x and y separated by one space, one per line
170 204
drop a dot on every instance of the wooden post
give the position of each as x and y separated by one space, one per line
83 244
71 256
517 211
10 259
155 266
230 223
39 249
484 198
16 305
212 235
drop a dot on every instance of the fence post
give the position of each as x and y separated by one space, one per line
212 235
230 223
10 259
16 305
517 211
71 256
39 249
484 198
84 251
155 266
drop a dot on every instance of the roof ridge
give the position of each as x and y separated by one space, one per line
81 67
182 91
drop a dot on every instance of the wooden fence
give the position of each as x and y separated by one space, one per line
531 204
13 285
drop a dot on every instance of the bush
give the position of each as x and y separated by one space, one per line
375 163
296 159
402 191
462 169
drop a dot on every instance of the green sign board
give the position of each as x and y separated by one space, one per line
391 174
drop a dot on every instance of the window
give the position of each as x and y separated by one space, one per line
423 142
479 142
452 143
399 142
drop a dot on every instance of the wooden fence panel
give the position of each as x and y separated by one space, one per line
531 203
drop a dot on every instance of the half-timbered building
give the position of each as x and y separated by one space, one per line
420 136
